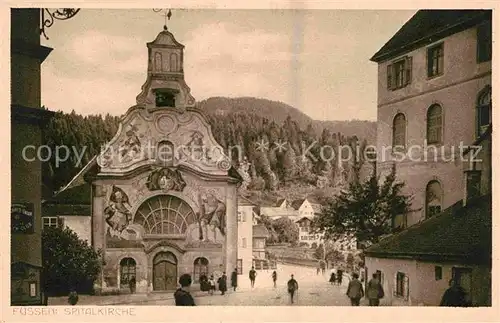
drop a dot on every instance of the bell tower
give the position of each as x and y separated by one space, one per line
165 86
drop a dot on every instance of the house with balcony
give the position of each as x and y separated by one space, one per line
434 113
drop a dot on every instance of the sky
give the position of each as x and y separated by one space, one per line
317 61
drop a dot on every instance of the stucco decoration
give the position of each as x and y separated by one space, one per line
165 179
137 141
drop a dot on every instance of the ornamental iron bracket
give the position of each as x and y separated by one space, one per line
48 17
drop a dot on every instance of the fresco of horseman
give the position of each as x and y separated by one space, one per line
212 216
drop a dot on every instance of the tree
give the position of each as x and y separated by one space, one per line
69 263
350 261
286 230
268 223
319 253
365 210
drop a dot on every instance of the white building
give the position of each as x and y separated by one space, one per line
246 218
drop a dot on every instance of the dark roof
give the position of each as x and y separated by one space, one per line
297 203
72 201
428 26
243 201
260 231
460 233
80 194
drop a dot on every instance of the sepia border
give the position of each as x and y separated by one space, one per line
241 313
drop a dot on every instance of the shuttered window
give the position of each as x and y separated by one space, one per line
435 60
435 124
399 73
401 286
484 42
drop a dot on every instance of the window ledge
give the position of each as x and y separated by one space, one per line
433 77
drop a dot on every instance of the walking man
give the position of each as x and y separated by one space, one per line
355 290
374 291
252 274
293 286
234 279
275 277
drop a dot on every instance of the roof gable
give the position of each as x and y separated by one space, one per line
428 26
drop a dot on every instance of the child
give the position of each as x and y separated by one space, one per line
211 281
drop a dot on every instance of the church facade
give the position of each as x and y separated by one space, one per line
164 194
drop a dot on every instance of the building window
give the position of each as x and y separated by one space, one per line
165 99
438 272
473 185
200 267
243 242
434 124
50 221
435 58
399 73
483 110
239 266
484 37
53 222
399 131
239 216
173 63
402 285
433 199
127 271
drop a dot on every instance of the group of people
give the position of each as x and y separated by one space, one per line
208 284
336 278
374 290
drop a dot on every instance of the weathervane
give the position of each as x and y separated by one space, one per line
166 14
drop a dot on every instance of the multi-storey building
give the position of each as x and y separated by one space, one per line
434 95
435 90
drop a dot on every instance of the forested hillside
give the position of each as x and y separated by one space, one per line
235 122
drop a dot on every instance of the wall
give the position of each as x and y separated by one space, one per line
424 288
456 91
81 225
389 268
245 230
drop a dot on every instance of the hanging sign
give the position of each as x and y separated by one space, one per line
22 218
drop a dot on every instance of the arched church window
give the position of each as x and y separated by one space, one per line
127 271
200 267
173 63
435 124
158 63
399 131
165 215
433 199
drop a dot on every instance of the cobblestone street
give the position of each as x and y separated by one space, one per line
314 290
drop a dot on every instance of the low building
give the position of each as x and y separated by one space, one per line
260 234
70 208
246 215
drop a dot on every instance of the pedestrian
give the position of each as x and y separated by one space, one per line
73 297
355 290
340 273
275 278
234 279
182 295
293 286
211 283
252 274
132 284
454 296
317 271
332 278
223 283
374 291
